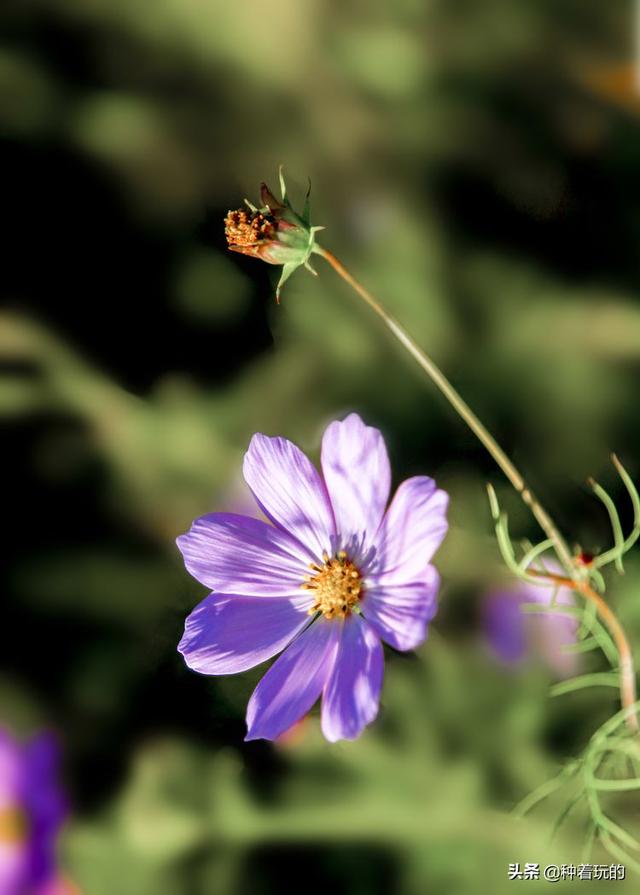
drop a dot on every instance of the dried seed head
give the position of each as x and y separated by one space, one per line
274 233
247 228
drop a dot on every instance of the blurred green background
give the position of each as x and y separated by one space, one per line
475 164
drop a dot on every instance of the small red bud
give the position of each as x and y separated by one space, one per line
584 558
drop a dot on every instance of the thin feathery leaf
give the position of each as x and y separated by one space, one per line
587 848
597 578
566 811
618 853
501 523
610 785
631 488
614 829
597 629
605 730
545 789
589 618
534 552
598 679
610 555
582 646
614 518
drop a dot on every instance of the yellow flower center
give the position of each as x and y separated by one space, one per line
13 826
336 586
246 228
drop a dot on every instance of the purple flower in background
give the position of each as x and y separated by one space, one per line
335 572
32 809
514 634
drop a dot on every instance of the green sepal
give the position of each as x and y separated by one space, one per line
287 270
306 211
283 185
295 239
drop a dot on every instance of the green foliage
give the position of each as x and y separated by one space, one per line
591 635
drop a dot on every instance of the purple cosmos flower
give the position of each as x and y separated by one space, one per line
334 573
32 809
513 634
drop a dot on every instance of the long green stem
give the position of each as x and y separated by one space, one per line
462 408
627 674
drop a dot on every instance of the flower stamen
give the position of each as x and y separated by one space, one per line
13 826
337 586
247 228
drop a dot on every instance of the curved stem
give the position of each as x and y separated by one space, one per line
608 617
461 407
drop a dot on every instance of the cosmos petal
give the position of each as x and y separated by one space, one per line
293 683
504 625
227 634
11 771
355 465
12 853
352 693
412 530
400 613
30 792
290 492
44 802
13 870
513 634
239 555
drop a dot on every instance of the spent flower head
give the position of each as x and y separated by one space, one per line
275 233
332 573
